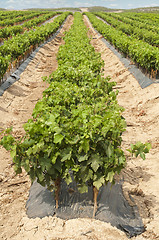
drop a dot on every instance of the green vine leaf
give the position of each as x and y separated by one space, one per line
58 138
98 183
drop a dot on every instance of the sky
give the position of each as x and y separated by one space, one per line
121 4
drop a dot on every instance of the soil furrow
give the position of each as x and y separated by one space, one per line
141 109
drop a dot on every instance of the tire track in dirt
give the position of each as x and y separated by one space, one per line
142 117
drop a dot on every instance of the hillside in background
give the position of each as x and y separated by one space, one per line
103 9
146 9
55 9
99 9
94 9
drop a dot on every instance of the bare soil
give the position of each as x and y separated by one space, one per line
142 117
141 177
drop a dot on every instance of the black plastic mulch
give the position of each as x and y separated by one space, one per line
112 206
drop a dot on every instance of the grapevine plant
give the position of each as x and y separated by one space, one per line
77 125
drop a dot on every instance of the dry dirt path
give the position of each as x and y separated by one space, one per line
142 180
16 106
142 116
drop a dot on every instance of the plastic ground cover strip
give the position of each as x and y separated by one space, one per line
112 206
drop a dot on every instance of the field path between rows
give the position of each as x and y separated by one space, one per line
142 117
141 177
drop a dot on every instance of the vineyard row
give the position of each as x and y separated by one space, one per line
15 48
14 30
136 23
11 20
148 36
77 125
140 52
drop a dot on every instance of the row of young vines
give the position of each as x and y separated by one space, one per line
133 30
16 47
147 18
77 125
147 24
11 31
17 17
140 52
